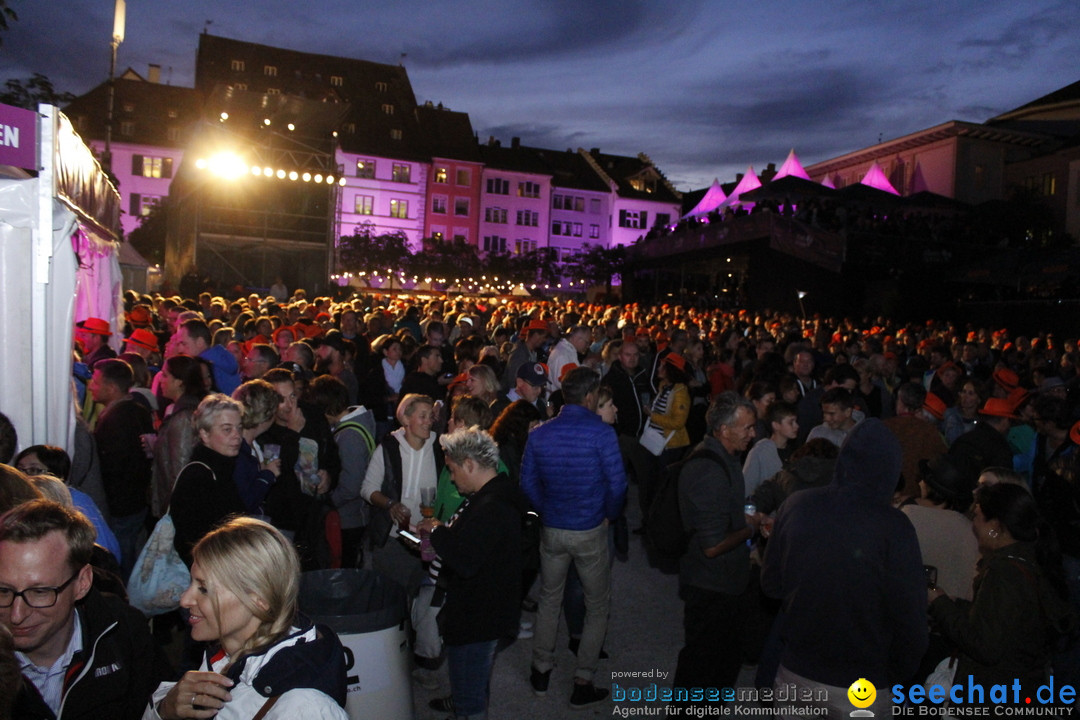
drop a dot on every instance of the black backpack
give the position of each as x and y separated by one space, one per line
664 529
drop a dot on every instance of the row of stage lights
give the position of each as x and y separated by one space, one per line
232 167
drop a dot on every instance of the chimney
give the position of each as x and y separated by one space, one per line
154 75
515 142
594 151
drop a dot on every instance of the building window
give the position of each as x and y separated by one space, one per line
172 113
577 229
579 204
337 80
401 173
388 109
438 236
464 178
127 128
395 134
129 107
528 189
440 175
399 209
495 215
382 87
633 219
557 202
141 205
270 70
498 186
172 134
557 227
524 245
594 231
461 207
238 65
273 91
461 236
365 169
365 205
528 217
594 206
240 86
438 204
494 243
643 184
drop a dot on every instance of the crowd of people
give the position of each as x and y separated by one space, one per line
914 481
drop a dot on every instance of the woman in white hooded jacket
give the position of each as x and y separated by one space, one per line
244 584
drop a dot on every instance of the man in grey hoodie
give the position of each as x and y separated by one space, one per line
847 566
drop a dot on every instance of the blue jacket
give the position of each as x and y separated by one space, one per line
223 364
572 471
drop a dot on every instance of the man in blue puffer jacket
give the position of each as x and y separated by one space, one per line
573 474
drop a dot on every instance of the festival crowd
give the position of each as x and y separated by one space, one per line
849 499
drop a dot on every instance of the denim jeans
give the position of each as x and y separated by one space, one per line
470 677
588 550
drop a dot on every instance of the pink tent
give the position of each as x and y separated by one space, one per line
875 178
749 182
791 166
828 182
713 198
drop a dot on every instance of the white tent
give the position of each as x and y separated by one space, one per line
712 199
748 182
791 166
875 178
58 265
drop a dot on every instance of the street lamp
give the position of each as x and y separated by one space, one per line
119 17
801 294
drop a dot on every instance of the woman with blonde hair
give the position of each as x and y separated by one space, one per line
264 660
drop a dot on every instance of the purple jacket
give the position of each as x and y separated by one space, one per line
572 471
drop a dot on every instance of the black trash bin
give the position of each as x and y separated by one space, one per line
368 612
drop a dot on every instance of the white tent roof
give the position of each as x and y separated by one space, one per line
875 178
749 182
791 166
712 199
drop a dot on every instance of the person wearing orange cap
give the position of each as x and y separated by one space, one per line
94 333
920 439
143 342
569 350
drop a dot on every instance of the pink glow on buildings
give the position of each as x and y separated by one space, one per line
385 194
453 200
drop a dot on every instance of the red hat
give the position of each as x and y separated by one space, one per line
1017 397
458 380
677 360
1074 433
1007 379
94 326
140 315
950 365
934 405
144 339
998 407
534 324
566 370
284 328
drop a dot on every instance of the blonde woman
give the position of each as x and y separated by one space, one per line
245 578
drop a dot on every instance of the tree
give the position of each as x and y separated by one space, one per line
598 264
364 251
149 237
29 93
450 261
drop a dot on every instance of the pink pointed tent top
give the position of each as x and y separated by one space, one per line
827 181
714 196
791 166
749 182
875 178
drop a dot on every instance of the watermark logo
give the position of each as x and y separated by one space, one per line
862 695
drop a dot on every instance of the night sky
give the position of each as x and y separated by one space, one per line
705 88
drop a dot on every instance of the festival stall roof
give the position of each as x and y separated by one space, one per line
713 198
875 178
789 187
58 265
748 182
791 167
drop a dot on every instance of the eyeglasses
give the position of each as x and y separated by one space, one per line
35 597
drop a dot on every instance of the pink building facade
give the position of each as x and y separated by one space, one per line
385 195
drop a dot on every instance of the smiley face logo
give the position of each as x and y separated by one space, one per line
862 693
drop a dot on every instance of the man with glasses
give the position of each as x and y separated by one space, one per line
83 654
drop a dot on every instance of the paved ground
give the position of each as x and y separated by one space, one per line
644 635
